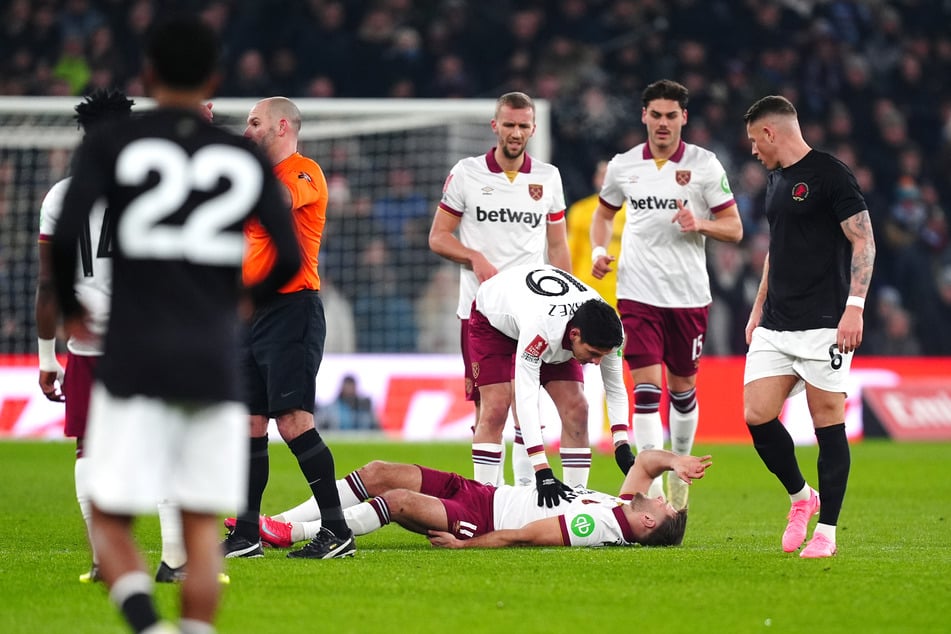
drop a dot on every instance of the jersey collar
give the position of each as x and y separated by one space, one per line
494 166
675 157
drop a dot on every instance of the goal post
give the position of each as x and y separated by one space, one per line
385 162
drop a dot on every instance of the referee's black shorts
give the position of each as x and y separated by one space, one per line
281 353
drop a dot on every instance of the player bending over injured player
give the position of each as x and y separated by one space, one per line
456 512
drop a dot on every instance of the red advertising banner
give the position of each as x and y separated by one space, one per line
911 410
420 397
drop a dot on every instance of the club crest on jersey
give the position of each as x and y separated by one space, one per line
306 177
682 176
533 352
536 191
800 192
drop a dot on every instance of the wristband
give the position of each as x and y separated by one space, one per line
47 353
598 252
538 459
855 300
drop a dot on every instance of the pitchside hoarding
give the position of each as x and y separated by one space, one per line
420 397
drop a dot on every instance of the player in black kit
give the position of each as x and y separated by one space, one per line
166 415
806 321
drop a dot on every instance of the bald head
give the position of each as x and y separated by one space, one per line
283 108
273 124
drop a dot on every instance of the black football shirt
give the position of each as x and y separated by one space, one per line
809 255
178 191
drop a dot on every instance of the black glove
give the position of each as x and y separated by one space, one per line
551 490
624 457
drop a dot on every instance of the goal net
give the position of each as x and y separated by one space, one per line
385 163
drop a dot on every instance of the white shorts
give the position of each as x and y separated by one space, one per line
143 450
810 355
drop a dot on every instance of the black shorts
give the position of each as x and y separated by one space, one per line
281 354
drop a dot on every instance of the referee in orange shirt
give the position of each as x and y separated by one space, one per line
285 343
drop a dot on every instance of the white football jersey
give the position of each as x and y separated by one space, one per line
533 305
589 518
507 221
660 265
93 271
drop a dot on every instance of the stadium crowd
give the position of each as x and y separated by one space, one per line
868 78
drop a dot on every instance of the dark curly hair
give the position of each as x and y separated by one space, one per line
101 105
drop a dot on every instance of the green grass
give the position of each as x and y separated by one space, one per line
891 573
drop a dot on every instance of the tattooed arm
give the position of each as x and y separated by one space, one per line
858 229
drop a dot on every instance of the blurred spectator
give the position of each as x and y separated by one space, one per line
750 195
249 77
935 317
915 231
384 318
897 338
350 411
72 66
867 76
730 309
401 203
341 331
80 19
436 312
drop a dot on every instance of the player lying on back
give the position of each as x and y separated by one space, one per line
456 512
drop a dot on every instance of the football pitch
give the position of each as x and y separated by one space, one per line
891 573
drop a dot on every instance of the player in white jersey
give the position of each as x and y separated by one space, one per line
677 195
94 290
499 210
544 323
456 512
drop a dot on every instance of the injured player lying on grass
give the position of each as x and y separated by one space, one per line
455 512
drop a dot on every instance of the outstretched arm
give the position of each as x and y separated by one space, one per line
545 532
651 463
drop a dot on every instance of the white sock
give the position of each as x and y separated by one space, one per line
802 495
367 517
305 531
486 462
683 429
81 480
522 469
575 465
649 434
826 530
306 511
170 524
134 582
352 490
193 626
